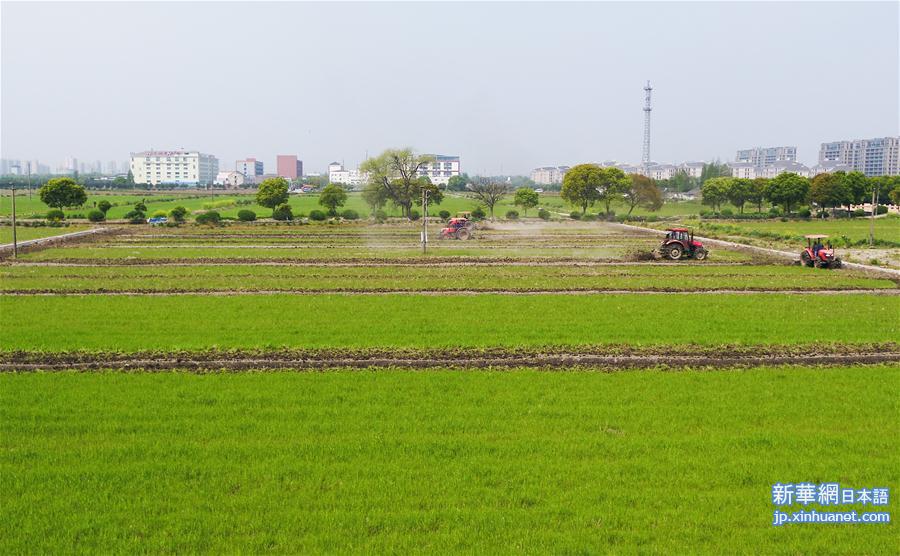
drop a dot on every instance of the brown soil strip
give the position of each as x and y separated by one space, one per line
605 357
363 262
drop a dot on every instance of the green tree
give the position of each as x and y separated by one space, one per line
396 173
758 192
489 192
858 187
714 169
642 191
613 184
526 198
740 192
104 206
458 183
375 196
580 186
272 192
62 192
830 190
332 197
130 178
715 191
787 189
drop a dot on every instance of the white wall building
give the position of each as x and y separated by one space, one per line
743 170
174 167
231 180
548 175
441 170
763 156
250 168
873 157
351 178
772 170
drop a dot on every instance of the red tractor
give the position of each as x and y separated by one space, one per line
679 244
458 228
818 255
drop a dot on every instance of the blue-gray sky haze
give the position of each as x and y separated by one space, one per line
504 85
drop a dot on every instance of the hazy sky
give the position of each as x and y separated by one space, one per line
504 85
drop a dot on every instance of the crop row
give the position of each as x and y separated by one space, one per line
138 322
425 278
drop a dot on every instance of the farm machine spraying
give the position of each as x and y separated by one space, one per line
679 243
458 228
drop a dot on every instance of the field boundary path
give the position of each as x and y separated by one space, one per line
6 250
767 251
464 358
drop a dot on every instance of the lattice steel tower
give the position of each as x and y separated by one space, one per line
645 158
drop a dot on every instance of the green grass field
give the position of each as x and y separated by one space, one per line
855 229
129 323
405 278
25 233
440 462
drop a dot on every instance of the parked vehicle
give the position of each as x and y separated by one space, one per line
157 220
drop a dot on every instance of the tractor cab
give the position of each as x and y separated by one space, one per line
458 228
679 243
819 252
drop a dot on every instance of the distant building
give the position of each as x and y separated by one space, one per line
829 168
352 178
763 156
287 166
250 168
231 180
772 170
441 170
744 170
873 157
665 171
174 167
548 175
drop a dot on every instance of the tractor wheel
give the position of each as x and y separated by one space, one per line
804 258
700 254
819 264
463 234
675 253
836 263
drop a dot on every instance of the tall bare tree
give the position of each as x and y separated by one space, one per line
489 192
395 174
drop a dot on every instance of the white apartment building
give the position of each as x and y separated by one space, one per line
772 170
548 175
174 167
743 170
762 156
441 170
873 157
666 171
351 178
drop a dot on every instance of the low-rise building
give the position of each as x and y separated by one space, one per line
174 167
772 170
231 180
548 175
351 178
250 168
441 169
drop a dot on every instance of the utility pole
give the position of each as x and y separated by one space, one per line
15 243
645 156
424 221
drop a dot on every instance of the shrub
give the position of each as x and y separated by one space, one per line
804 213
380 215
283 212
822 214
96 215
158 214
414 214
544 214
588 217
140 207
135 217
705 213
478 214
775 212
178 214
210 217
56 215
858 212
245 215
727 212
317 215
444 214
512 215
575 215
882 209
350 214
103 206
